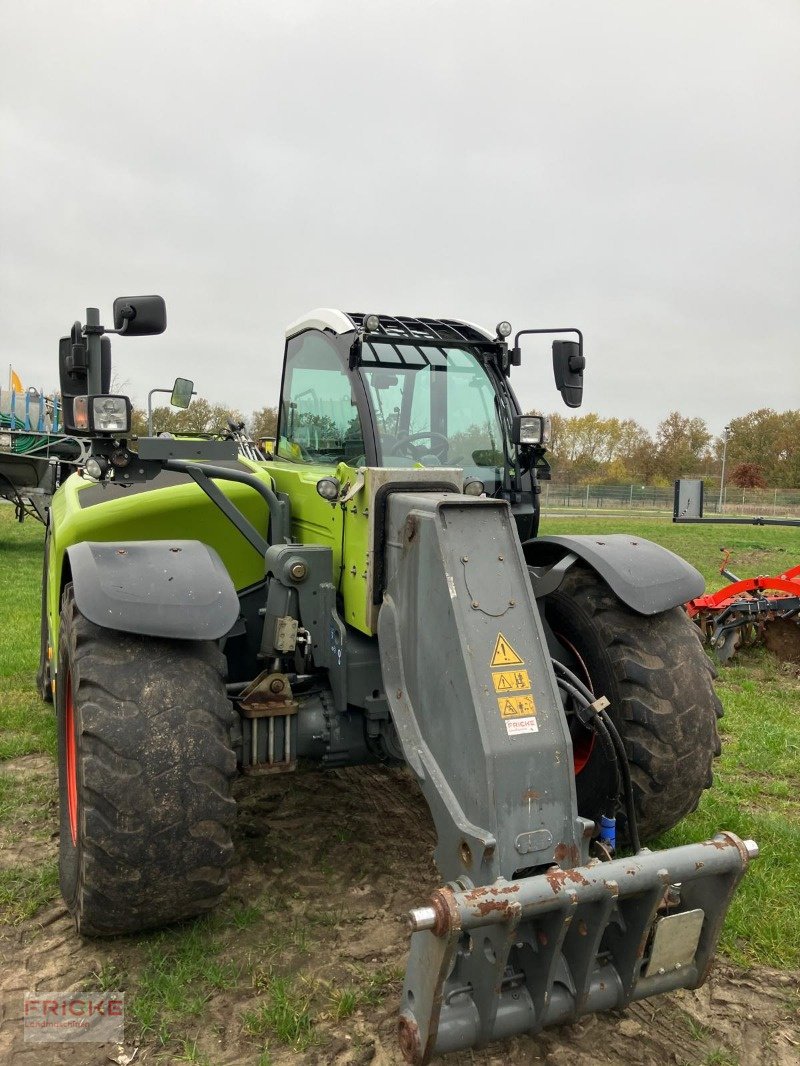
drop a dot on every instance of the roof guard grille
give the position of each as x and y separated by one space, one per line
422 329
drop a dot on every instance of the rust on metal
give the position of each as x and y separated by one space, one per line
490 900
410 532
567 853
408 1038
489 890
531 794
447 916
557 879
495 906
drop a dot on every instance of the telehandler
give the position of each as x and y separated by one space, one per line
376 590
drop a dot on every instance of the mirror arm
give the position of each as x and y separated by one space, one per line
566 329
119 332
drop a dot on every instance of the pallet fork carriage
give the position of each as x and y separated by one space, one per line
376 590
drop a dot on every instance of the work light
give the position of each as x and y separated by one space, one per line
372 323
102 414
530 429
503 329
473 486
329 488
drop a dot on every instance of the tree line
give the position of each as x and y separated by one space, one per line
763 449
202 416
763 446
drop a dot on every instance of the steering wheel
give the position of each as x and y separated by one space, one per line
431 435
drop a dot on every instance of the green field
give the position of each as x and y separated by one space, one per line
757 794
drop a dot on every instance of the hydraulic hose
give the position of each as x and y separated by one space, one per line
599 728
600 717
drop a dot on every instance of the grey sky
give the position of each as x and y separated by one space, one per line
630 167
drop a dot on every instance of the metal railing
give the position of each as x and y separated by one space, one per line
558 496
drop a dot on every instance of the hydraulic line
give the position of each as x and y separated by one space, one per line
598 726
588 701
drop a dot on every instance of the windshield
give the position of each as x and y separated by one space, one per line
434 406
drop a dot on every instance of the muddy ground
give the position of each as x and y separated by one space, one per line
326 866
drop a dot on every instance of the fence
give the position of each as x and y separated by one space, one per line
782 503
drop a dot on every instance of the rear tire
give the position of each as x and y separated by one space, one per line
659 680
145 770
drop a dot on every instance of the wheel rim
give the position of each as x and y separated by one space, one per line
583 739
71 764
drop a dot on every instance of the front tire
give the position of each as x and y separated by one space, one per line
145 771
659 680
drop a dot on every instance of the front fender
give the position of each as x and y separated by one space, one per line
645 576
159 588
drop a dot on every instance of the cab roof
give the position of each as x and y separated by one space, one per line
421 329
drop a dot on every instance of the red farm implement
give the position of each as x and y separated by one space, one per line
749 610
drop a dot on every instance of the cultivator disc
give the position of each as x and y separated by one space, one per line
750 611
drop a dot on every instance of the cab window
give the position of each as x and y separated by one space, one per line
318 418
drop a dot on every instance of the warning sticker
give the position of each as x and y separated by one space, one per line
516 706
515 726
511 680
504 654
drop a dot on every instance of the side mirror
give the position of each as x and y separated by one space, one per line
140 316
568 366
73 371
182 392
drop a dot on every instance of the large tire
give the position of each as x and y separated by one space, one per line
659 680
145 770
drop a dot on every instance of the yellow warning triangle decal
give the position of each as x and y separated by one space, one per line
504 654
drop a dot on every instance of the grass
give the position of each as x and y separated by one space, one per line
27 805
285 1012
24 890
171 976
757 794
182 969
27 724
757 780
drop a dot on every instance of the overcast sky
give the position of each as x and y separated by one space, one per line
631 168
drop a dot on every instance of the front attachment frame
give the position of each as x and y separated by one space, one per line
516 956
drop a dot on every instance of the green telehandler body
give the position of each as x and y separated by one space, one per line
375 590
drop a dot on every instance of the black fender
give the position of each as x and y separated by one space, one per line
645 576
158 588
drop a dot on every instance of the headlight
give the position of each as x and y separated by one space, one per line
101 414
111 414
531 429
473 486
329 488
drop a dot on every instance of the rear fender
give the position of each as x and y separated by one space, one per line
648 578
159 588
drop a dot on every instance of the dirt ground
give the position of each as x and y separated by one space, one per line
332 862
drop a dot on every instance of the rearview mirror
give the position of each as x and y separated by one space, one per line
568 366
145 315
73 371
182 392
383 379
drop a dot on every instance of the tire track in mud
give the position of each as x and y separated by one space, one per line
332 861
